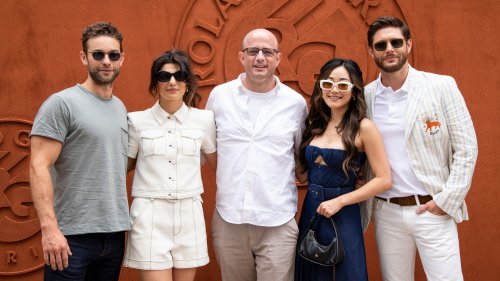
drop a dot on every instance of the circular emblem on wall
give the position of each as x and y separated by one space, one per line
20 236
309 34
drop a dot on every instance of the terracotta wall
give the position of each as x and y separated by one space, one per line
39 50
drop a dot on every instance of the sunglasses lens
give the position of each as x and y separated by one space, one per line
268 52
180 75
163 76
114 56
380 46
326 85
98 55
253 51
397 43
343 86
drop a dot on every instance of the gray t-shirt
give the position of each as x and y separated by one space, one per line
89 175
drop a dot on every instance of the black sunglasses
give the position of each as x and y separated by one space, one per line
99 55
165 76
382 45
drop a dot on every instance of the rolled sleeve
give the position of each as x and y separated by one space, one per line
52 120
133 139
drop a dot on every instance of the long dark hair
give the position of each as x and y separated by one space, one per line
191 98
320 113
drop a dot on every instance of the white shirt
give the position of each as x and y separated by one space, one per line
167 148
255 164
256 102
389 115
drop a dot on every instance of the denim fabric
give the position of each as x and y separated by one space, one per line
348 221
327 181
96 257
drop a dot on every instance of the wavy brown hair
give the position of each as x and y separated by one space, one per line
191 98
101 29
320 113
385 22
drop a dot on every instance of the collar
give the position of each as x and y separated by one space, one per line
404 89
160 115
243 90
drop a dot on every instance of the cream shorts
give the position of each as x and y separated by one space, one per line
166 233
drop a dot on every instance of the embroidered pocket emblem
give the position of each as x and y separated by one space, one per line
432 125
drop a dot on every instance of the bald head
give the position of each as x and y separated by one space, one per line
260 33
260 58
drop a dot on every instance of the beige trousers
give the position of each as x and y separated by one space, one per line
248 252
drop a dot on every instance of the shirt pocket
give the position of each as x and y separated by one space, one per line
153 142
191 142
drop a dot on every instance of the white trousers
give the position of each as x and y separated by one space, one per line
400 232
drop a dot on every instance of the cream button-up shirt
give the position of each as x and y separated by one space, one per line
167 148
255 162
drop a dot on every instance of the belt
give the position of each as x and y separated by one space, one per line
321 193
408 200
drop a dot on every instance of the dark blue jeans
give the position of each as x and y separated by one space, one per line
96 257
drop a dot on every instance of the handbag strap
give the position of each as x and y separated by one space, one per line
315 217
313 220
333 271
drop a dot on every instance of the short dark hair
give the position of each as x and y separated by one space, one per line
101 29
384 22
191 98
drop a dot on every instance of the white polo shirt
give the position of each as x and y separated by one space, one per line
167 148
389 114
255 162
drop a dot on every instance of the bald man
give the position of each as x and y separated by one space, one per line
259 126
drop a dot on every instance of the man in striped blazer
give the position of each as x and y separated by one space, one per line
432 148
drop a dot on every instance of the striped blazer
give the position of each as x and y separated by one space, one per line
440 138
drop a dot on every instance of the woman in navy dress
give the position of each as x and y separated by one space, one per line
337 141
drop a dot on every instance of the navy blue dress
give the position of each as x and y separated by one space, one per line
327 182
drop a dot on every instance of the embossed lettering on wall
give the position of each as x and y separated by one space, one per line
20 246
310 32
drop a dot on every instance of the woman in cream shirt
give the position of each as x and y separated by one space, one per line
168 237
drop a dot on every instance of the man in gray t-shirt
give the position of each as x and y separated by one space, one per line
78 167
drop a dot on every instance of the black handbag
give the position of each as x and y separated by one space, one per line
326 255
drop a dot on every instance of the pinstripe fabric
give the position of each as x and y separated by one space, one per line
443 150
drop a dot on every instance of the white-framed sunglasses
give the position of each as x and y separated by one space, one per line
342 86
